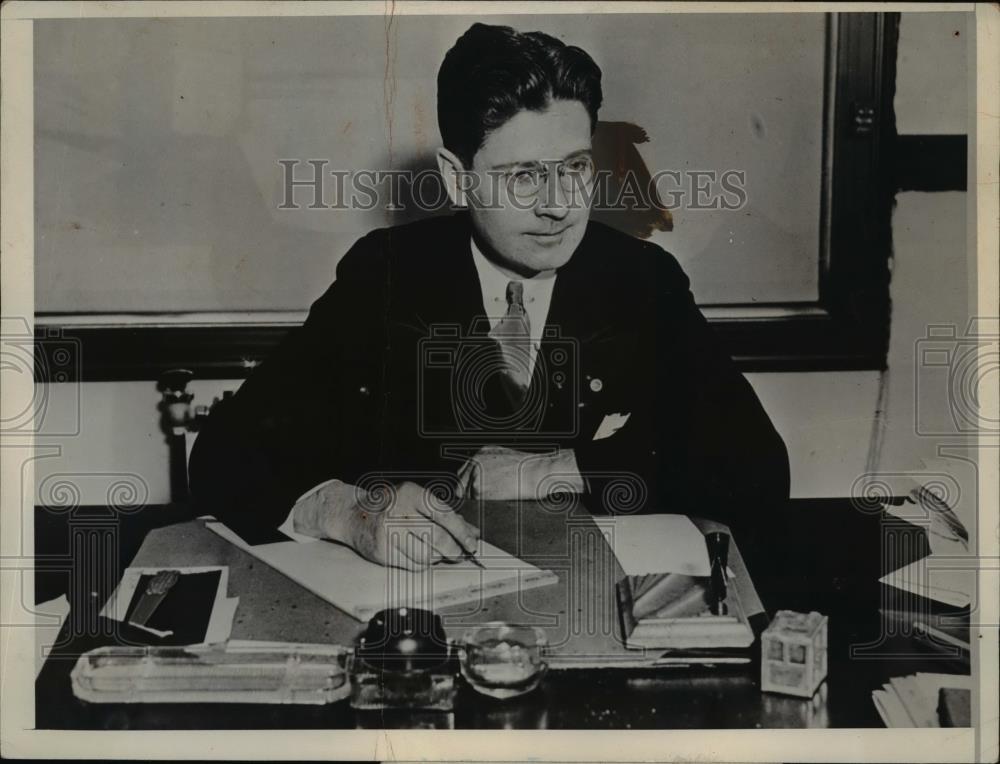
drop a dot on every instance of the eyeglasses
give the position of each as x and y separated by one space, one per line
526 181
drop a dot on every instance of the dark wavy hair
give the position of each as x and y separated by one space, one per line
494 72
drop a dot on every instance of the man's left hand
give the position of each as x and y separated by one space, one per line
500 473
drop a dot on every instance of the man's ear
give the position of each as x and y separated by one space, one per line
452 172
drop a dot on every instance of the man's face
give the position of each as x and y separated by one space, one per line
522 214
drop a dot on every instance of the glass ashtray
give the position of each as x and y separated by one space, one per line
503 661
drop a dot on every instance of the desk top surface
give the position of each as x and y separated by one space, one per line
862 653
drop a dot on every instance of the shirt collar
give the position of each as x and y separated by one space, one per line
494 282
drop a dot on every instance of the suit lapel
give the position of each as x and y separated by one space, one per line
581 312
438 301
450 294
442 290
574 348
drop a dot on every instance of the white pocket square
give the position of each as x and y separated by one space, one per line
611 424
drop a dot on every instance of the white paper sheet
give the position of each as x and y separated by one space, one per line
220 625
911 701
948 575
890 708
950 586
647 544
361 588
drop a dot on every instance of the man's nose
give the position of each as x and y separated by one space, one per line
554 201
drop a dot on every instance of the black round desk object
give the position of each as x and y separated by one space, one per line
404 639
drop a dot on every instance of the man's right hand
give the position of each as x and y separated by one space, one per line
404 525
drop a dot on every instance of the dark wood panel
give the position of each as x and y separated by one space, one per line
101 354
146 352
854 279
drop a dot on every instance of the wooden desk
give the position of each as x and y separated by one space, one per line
843 584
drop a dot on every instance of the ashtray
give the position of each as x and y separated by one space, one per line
503 661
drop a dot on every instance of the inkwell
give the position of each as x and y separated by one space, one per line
403 660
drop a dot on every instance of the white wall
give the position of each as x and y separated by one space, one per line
157 146
932 90
826 419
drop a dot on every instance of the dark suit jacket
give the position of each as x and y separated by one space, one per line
383 379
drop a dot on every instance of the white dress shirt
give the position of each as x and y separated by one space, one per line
537 298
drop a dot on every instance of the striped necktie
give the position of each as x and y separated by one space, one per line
513 335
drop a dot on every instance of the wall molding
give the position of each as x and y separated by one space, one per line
785 339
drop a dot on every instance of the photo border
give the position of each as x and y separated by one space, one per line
16 272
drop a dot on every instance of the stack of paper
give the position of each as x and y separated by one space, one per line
948 574
936 579
663 599
912 701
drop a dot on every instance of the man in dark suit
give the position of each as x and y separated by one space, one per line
512 350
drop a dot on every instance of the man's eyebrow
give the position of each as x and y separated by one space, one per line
538 162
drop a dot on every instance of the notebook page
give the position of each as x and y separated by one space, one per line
361 588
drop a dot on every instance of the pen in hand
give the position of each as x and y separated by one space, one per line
471 557
468 554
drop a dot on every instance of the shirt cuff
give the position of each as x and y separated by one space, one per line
309 509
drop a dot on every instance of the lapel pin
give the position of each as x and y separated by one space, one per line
596 385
